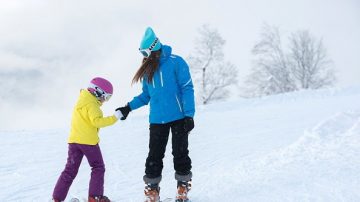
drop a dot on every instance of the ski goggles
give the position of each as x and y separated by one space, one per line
100 93
146 52
106 96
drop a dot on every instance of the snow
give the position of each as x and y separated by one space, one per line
302 146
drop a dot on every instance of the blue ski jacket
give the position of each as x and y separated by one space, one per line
171 92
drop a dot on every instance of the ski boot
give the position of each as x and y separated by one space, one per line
55 200
152 192
99 199
183 189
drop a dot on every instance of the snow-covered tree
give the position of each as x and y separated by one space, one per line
275 70
271 73
310 63
211 73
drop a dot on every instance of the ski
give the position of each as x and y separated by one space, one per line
166 200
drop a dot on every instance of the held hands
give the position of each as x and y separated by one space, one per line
188 124
118 114
124 111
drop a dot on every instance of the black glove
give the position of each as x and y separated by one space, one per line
188 124
124 110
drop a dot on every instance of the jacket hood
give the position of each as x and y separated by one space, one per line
86 97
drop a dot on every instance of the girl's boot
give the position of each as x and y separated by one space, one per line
98 199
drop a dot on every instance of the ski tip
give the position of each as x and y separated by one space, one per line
74 200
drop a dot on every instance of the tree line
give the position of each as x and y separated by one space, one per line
277 67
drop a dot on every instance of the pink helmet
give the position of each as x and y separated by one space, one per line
101 88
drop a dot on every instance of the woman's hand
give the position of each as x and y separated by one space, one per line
188 124
124 111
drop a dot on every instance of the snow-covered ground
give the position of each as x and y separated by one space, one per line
302 146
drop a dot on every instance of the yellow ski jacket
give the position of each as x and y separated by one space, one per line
87 119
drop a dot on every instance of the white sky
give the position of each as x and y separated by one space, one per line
51 49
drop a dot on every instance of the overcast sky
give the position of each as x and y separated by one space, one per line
51 49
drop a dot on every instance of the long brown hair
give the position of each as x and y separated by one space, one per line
148 67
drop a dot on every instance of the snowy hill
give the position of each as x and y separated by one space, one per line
302 146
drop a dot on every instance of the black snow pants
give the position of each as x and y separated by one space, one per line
159 134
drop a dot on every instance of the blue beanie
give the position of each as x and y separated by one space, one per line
148 39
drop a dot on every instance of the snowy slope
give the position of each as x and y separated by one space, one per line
302 146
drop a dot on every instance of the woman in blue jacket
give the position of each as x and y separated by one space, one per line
168 87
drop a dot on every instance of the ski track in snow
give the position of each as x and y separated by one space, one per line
303 146
322 165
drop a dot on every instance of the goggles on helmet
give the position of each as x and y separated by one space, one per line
146 52
100 93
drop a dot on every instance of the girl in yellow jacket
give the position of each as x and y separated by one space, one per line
87 119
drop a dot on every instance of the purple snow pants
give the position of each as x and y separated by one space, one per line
75 155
